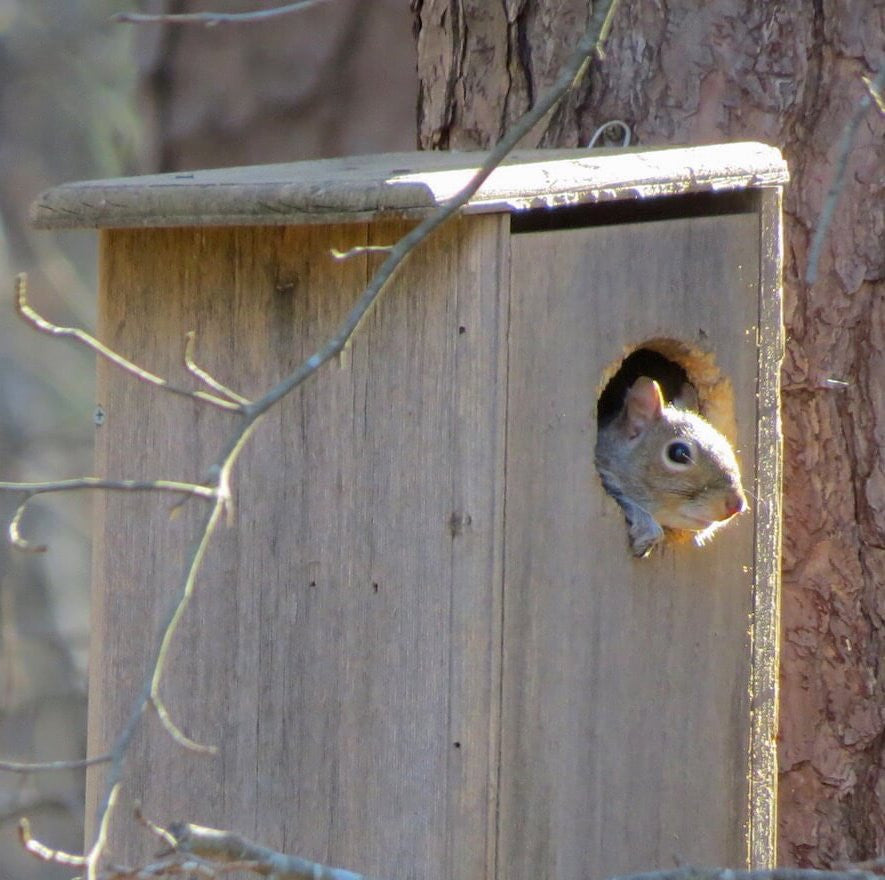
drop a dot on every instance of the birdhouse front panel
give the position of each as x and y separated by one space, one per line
625 680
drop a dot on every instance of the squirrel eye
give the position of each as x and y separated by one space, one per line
679 452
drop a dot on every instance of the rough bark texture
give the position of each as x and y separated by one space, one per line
335 79
788 73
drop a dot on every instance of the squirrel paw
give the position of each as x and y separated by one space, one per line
643 532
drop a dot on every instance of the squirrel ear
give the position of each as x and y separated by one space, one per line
643 405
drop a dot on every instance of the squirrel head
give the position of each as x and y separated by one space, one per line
687 470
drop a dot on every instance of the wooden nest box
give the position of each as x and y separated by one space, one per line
422 646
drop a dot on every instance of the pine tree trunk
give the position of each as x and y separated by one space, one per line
790 74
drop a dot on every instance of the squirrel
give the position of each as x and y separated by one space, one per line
667 467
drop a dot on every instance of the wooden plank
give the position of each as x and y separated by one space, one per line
626 713
402 184
342 648
766 611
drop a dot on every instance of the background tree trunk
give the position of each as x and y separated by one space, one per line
336 79
789 74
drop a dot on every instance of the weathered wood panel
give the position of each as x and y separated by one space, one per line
626 716
769 515
342 648
401 680
404 184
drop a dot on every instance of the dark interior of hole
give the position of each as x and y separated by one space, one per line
634 211
642 362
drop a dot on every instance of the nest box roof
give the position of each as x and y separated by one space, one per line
402 185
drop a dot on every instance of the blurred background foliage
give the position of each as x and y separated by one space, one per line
67 84
83 98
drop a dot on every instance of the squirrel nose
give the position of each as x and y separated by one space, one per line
734 503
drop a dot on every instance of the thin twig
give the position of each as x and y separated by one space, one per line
45 853
875 93
31 489
150 690
36 320
210 19
175 486
101 841
220 851
184 599
195 370
219 846
15 535
121 744
156 830
38 767
174 731
589 42
876 866
835 190
176 866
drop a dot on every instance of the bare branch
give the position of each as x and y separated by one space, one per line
15 535
216 845
36 320
589 42
156 662
875 93
211 852
875 866
210 19
184 599
39 767
174 731
156 830
175 866
101 840
81 483
835 190
197 371
44 853
150 690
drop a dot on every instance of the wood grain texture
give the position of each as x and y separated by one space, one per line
626 726
423 648
403 184
769 517
342 646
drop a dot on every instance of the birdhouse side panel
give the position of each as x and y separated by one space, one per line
342 647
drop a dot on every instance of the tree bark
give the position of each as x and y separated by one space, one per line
789 74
